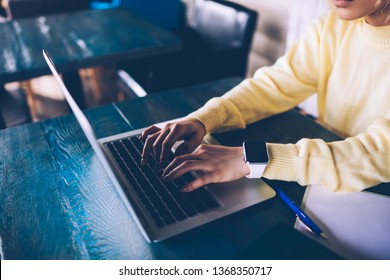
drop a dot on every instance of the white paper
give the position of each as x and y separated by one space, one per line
357 224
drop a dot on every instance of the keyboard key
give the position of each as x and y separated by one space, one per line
207 199
145 184
136 187
165 202
181 200
202 194
157 184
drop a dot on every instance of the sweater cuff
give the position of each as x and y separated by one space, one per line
282 162
209 117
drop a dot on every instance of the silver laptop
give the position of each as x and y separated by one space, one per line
160 209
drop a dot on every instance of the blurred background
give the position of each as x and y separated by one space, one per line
277 25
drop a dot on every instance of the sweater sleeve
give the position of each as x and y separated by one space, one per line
272 90
349 165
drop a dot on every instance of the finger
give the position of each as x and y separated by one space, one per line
158 143
175 163
186 147
185 167
150 130
148 147
200 181
180 160
195 155
168 143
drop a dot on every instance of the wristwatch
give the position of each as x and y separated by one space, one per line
255 157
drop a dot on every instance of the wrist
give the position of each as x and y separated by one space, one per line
200 125
246 168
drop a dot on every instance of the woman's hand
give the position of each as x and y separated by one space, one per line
215 164
160 141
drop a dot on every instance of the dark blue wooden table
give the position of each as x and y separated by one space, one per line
78 40
56 201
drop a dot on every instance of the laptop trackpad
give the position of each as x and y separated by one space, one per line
241 193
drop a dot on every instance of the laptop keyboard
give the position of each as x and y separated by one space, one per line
164 201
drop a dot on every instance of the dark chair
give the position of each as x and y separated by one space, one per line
30 8
13 108
216 44
167 14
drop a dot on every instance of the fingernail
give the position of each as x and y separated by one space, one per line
142 162
185 189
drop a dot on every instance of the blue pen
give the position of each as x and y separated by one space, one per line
305 219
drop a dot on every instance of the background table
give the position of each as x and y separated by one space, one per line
78 40
56 201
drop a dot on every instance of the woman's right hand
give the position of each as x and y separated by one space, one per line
160 141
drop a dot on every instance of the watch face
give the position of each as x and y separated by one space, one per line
256 152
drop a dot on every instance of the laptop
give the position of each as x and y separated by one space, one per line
159 209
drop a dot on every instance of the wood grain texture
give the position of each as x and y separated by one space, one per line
78 40
56 202
34 217
102 220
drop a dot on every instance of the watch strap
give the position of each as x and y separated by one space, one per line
256 170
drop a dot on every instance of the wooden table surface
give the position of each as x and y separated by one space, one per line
78 40
56 201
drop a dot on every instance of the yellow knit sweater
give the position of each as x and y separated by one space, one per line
348 64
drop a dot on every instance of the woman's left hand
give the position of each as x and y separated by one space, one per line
215 164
